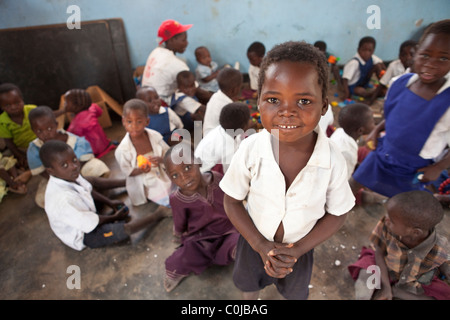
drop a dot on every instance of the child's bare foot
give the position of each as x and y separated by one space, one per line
163 212
23 177
19 189
171 282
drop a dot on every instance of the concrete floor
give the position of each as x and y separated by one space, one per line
34 262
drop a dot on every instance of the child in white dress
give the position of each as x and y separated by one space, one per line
149 182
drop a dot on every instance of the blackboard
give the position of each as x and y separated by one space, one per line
46 61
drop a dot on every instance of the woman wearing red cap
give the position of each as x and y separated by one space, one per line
162 64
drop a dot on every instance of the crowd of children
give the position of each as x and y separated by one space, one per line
237 196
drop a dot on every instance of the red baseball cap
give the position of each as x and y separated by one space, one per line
170 28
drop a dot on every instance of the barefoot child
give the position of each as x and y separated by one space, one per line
69 204
147 182
207 235
292 205
44 125
408 251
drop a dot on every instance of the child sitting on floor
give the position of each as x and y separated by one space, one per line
230 85
85 121
355 120
44 125
185 103
207 236
416 123
322 46
359 70
216 150
162 119
70 207
407 250
255 54
147 181
14 125
396 68
206 71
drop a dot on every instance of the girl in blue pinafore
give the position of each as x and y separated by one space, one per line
417 123
162 119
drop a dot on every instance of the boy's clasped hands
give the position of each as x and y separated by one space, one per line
278 259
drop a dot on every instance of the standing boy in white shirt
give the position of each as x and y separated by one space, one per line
292 205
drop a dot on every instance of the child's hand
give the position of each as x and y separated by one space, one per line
155 160
276 265
281 260
122 213
430 173
116 205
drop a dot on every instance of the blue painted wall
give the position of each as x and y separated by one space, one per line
227 27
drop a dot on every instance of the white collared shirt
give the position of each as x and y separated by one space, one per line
213 108
394 69
351 68
218 147
320 187
253 74
348 147
70 210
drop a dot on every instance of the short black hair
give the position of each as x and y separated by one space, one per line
405 44
234 116
40 112
7 87
418 208
321 45
135 104
183 76
296 51
442 26
228 79
79 97
367 39
258 48
50 149
353 117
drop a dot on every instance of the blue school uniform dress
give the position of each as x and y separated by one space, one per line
364 78
391 168
160 122
188 123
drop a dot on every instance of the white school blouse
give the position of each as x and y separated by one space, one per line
213 108
218 147
70 210
348 147
351 68
126 157
320 187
